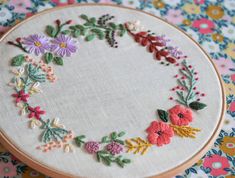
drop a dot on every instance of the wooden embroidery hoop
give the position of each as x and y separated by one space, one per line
9 145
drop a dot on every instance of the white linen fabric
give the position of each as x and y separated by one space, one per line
102 89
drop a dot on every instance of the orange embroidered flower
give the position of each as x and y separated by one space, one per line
230 50
180 115
217 37
215 12
228 145
159 133
187 22
158 4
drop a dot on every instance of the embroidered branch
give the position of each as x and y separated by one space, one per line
137 145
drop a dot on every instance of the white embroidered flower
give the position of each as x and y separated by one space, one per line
35 123
18 72
5 15
68 148
134 26
35 88
229 31
55 123
17 83
22 107
210 47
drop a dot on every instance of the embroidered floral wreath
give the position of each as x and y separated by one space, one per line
61 42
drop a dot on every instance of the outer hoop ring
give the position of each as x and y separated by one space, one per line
9 145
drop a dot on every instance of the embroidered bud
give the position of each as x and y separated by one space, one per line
10 43
69 22
58 22
18 40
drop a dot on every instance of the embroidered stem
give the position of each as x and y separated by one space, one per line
17 44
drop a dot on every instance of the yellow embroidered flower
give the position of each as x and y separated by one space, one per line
158 4
191 9
217 37
228 145
229 88
29 173
215 12
230 50
187 22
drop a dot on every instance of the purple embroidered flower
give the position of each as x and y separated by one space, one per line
175 52
114 148
162 39
36 44
63 45
92 147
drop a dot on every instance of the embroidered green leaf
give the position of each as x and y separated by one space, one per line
122 29
119 141
18 60
65 32
48 57
163 115
105 139
90 37
98 32
51 31
83 16
114 135
197 105
76 33
58 61
120 134
112 25
92 20
79 140
35 73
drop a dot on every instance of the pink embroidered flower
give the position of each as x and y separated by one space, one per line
159 133
204 25
7 169
63 45
180 115
199 1
21 96
174 16
217 164
36 44
114 148
92 147
35 112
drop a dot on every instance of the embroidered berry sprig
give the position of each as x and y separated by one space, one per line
187 96
18 44
101 28
55 31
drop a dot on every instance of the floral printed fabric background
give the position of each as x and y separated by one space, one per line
211 23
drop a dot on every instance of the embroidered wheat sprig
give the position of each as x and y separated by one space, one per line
137 145
185 131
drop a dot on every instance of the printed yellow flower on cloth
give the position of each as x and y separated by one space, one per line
158 4
230 176
228 145
217 37
215 12
229 88
192 9
230 50
187 22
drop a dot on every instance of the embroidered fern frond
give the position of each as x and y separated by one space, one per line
137 145
185 131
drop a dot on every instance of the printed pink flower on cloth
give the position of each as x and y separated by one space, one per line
174 16
204 25
21 96
7 169
63 2
36 44
199 1
217 164
63 45
159 133
224 65
20 5
35 112
180 115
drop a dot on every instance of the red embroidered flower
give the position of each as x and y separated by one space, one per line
35 112
180 115
159 133
21 96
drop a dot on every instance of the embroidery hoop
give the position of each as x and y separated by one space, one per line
55 173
